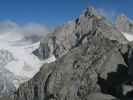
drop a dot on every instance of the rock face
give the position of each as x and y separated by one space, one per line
76 75
71 34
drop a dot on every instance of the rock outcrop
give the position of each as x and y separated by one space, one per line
72 34
77 74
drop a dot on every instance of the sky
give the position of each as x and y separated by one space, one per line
49 12
113 8
55 12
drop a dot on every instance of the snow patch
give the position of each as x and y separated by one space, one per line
128 36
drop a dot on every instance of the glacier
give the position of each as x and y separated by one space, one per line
18 61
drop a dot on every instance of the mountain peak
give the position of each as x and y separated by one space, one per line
91 12
124 24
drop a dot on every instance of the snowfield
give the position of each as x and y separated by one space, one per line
25 64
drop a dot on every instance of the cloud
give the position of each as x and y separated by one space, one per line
31 31
111 15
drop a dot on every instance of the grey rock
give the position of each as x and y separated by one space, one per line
60 41
42 52
75 75
91 20
72 34
100 96
127 89
6 98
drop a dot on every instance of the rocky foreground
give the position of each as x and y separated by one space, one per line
94 62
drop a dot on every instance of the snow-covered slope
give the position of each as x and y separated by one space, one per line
128 36
17 59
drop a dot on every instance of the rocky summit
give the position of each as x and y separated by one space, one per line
73 33
93 62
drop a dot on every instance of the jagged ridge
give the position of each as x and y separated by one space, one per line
92 60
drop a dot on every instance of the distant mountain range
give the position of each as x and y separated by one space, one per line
125 25
18 64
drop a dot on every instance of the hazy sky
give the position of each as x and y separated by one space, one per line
56 12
